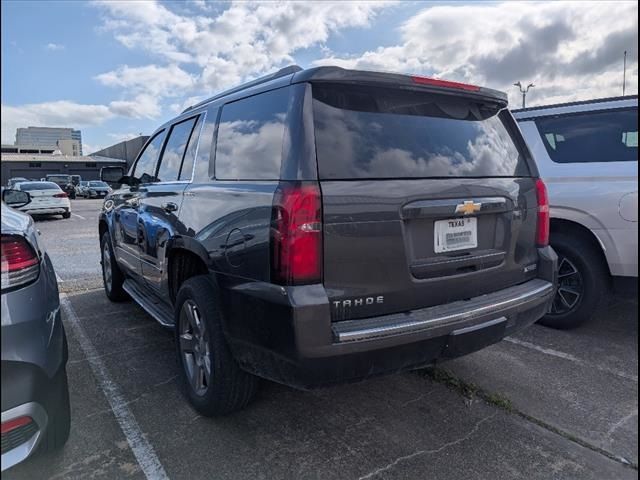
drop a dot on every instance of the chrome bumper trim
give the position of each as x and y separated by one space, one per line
529 295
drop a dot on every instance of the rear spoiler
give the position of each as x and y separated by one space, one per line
395 80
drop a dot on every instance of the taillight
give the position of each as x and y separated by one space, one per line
61 195
296 234
436 82
20 264
542 233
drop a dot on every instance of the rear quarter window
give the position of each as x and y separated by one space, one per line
250 135
369 133
606 136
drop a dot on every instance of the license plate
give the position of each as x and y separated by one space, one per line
455 234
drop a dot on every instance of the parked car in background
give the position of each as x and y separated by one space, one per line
75 180
587 154
96 189
35 396
81 188
402 222
47 198
13 181
65 182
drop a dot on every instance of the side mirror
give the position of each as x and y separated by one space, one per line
15 198
111 174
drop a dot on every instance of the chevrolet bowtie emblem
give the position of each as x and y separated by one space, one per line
468 207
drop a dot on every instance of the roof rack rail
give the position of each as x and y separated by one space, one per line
571 104
272 76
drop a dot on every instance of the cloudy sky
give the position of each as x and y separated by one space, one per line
116 69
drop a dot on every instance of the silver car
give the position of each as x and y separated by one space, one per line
35 396
587 155
96 189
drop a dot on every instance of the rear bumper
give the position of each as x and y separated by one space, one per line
46 210
304 349
33 394
34 355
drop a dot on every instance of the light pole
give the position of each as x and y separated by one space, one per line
523 91
624 72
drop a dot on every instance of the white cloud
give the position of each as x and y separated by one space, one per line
151 79
54 46
569 50
148 85
61 113
246 39
179 107
142 106
121 137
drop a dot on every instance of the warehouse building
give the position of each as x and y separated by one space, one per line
37 166
127 150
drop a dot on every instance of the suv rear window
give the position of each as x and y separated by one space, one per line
610 136
368 133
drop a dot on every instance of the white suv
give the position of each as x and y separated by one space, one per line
587 154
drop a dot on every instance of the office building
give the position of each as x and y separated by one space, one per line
48 136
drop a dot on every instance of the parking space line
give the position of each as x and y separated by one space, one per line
79 216
571 358
140 446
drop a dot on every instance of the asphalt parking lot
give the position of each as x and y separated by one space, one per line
542 404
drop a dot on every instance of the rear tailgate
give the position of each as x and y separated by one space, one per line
427 199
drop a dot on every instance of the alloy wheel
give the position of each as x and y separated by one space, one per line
570 288
194 348
106 266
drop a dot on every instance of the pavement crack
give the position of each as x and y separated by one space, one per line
621 422
414 400
404 458
571 358
168 380
577 440
467 390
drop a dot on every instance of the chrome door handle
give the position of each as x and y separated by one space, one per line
169 207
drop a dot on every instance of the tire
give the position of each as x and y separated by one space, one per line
59 424
227 388
112 276
66 214
591 280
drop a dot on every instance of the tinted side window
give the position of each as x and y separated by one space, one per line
610 136
250 135
190 153
174 150
146 165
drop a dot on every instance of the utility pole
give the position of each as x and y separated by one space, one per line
523 91
624 73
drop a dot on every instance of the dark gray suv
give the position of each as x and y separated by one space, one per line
326 225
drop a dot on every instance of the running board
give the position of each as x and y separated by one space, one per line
150 302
